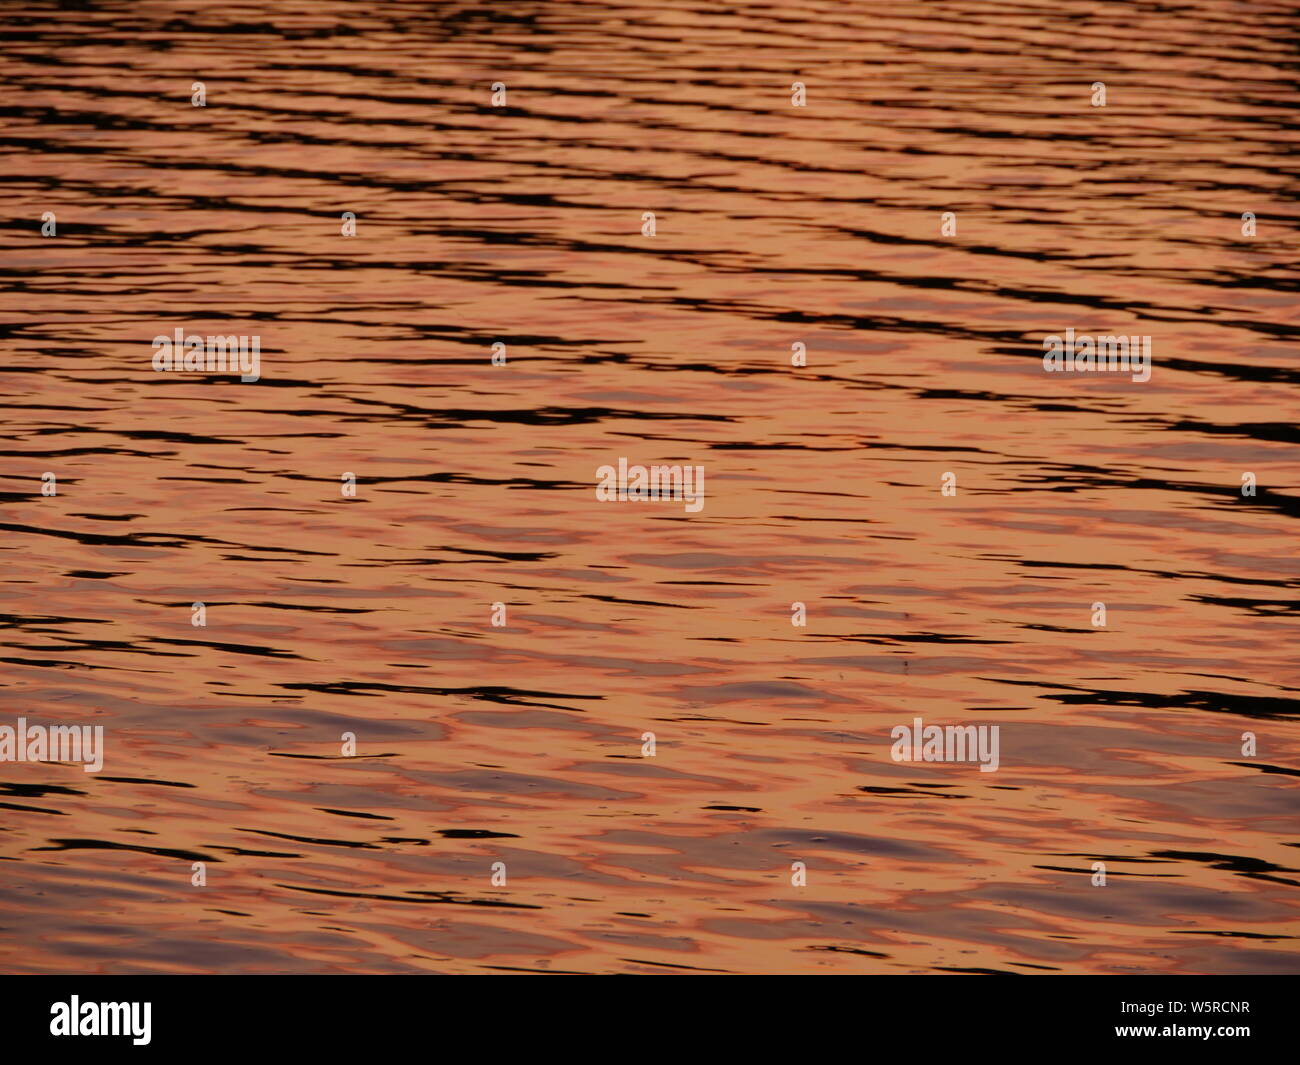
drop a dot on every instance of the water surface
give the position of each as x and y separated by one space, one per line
776 225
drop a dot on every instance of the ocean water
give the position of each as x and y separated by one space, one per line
500 811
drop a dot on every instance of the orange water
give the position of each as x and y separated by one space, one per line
522 744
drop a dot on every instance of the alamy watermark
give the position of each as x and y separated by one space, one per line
1101 354
102 1018
682 483
57 743
214 354
947 743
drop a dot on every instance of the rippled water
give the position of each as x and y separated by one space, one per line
776 225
